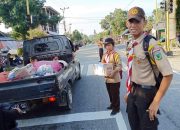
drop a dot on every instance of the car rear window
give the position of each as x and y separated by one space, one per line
46 47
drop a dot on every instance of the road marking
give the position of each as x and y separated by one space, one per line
88 116
90 70
82 67
176 72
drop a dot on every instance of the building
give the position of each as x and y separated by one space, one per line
51 29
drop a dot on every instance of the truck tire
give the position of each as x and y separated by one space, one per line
69 97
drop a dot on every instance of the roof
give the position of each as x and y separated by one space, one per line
51 9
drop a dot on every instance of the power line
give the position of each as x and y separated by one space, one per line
86 18
129 4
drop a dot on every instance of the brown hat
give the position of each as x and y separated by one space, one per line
136 13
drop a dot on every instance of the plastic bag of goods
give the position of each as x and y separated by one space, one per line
102 69
4 77
44 70
98 69
21 73
56 66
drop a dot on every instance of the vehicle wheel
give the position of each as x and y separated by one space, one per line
69 97
79 75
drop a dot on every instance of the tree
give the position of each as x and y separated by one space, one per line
150 22
76 36
115 22
160 15
13 14
37 32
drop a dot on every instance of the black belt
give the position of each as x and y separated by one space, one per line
142 86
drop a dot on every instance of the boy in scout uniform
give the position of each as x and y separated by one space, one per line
113 79
144 97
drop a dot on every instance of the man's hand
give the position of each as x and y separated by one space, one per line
153 109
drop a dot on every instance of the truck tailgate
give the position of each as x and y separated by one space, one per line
28 89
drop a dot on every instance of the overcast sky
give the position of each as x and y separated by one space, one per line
85 15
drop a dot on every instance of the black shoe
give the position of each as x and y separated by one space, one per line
109 108
114 113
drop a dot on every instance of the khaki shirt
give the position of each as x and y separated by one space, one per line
114 58
142 72
100 44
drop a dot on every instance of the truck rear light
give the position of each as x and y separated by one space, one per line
52 99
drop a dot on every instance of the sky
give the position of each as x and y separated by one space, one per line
85 15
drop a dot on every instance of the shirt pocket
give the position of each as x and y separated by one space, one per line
140 58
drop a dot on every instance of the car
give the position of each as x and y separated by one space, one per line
56 88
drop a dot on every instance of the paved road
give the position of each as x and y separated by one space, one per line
90 100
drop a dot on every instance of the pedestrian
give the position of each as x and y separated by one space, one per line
100 46
113 80
145 68
17 60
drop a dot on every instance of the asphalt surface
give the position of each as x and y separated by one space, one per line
90 100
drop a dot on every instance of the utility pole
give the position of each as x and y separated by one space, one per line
64 22
70 28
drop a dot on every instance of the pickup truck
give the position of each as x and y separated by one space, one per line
56 88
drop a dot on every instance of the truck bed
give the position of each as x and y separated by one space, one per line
28 89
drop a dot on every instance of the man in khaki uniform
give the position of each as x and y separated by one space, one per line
143 99
112 80
100 46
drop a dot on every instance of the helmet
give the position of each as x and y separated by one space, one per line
108 41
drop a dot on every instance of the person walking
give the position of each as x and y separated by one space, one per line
100 46
113 79
149 74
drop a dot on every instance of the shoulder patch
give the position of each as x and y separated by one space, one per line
158 55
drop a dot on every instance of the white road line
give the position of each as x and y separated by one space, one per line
88 116
82 67
176 72
90 70
120 122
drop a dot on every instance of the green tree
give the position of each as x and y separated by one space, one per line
115 22
153 19
161 16
76 36
13 14
150 22
37 32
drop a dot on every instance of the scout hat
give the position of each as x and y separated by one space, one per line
108 41
136 13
